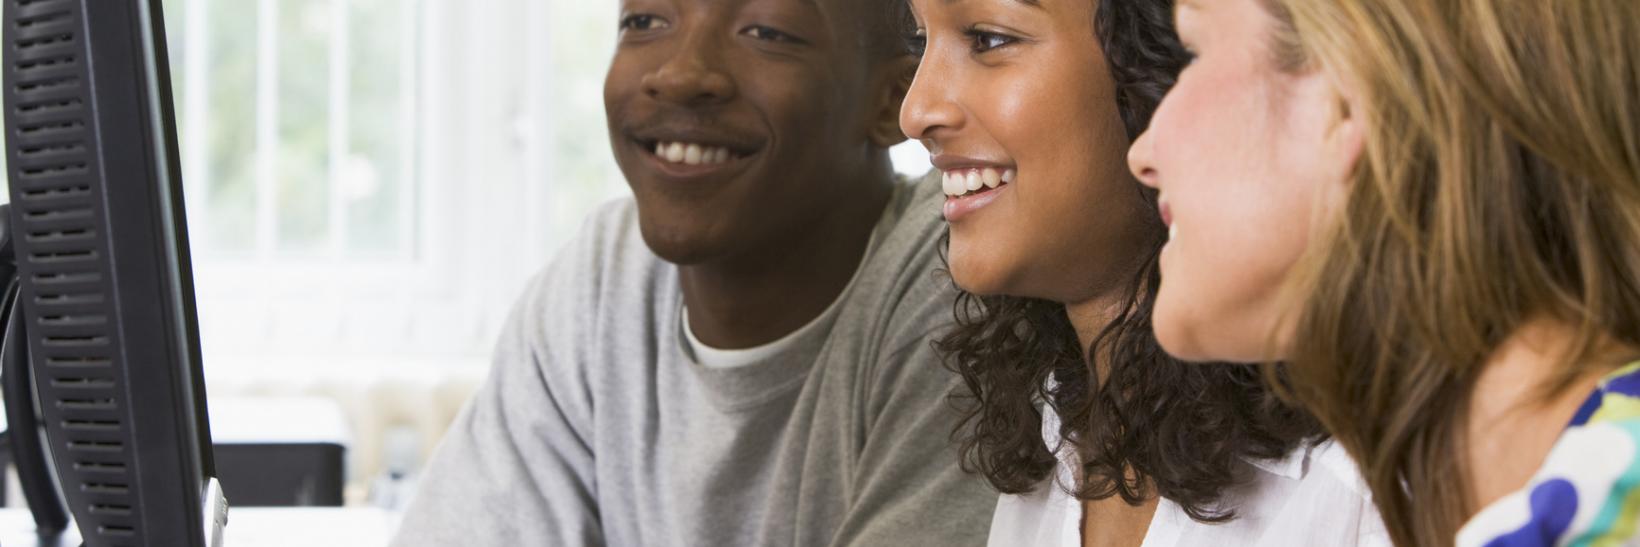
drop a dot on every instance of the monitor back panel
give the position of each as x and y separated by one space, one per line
102 253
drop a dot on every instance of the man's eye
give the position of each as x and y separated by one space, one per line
761 32
642 22
987 41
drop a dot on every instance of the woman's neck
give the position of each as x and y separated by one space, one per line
1089 318
1510 424
1110 521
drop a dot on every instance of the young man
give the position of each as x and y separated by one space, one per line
741 354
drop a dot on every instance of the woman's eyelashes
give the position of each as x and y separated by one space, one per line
982 41
979 41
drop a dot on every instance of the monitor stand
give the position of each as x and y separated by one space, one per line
24 435
216 512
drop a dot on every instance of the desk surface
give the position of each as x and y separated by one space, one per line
251 527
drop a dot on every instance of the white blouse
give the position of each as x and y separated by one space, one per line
1313 497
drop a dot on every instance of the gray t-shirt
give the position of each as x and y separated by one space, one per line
596 428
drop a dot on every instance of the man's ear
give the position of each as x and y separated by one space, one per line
893 82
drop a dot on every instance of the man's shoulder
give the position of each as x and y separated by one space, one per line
605 268
608 247
914 218
908 260
903 296
611 229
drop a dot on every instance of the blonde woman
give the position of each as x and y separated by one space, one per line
1431 210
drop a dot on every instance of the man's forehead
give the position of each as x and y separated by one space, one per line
869 21
830 7
816 4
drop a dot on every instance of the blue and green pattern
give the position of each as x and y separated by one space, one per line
1588 491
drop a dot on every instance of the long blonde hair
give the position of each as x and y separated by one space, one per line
1499 182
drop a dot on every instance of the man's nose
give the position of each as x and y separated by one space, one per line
694 75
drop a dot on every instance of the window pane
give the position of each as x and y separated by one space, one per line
229 124
582 161
302 163
376 180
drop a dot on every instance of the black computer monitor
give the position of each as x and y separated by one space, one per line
103 317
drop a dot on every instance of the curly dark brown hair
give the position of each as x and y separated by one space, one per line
1153 425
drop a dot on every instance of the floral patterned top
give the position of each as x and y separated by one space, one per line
1588 490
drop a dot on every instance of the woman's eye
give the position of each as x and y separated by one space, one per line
761 32
641 22
987 41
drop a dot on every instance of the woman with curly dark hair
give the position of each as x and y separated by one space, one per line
1096 436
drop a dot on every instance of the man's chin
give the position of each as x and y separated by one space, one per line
680 245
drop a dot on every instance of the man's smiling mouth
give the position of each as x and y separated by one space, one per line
690 153
686 151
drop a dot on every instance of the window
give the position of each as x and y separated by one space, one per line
373 181
298 124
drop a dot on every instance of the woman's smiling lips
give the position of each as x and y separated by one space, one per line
1166 213
958 208
971 184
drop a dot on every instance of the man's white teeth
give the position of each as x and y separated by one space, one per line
692 154
959 182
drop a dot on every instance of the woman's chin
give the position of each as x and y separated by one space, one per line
978 285
977 267
1189 341
976 276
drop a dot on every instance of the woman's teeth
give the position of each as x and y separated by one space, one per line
692 154
963 181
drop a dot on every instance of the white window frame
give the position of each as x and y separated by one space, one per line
475 244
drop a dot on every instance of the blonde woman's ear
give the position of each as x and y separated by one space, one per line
1347 139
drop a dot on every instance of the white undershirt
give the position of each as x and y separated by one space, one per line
1312 497
711 357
